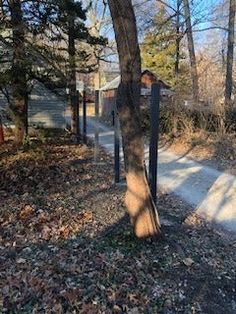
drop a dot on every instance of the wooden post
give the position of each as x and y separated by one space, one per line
153 149
84 118
96 138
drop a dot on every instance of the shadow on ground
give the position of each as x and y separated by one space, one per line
67 245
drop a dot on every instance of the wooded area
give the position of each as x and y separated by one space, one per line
58 43
71 239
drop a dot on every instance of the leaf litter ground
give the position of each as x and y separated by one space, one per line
66 245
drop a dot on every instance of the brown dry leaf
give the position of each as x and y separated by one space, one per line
36 283
42 217
71 295
86 216
110 271
132 297
26 211
65 231
46 232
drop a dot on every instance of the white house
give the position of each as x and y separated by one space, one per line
45 108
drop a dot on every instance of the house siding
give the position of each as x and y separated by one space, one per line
45 108
108 99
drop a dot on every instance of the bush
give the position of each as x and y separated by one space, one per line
178 119
172 120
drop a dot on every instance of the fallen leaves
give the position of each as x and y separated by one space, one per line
26 212
71 295
64 249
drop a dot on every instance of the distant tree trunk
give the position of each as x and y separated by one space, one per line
72 73
230 54
191 50
19 107
139 202
178 38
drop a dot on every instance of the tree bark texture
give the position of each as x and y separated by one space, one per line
178 39
138 200
230 54
72 73
191 49
19 107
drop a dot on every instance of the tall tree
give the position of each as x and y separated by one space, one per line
178 38
139 202
72 67
230 54
69 21
71 18
19 83
19 21
191 49
158 48
29 39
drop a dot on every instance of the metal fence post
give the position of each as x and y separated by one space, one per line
84 118
153 149
116 146
96 138
1 130
77 118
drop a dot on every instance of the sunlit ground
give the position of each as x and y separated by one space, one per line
66 245
90 109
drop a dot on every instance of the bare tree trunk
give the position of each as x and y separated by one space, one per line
72 73
19 107
191 50
139 202
230 54
178 38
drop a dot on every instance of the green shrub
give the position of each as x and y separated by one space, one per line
167 119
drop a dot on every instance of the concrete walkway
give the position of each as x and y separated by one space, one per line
212 193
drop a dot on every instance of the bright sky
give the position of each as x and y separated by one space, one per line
208 14
204 14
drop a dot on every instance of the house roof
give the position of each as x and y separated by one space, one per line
114 84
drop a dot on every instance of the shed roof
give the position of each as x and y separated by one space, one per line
114 84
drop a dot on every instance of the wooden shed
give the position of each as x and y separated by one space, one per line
108 92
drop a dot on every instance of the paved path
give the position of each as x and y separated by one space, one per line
212 193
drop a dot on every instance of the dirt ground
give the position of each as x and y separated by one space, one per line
66 245
206 148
